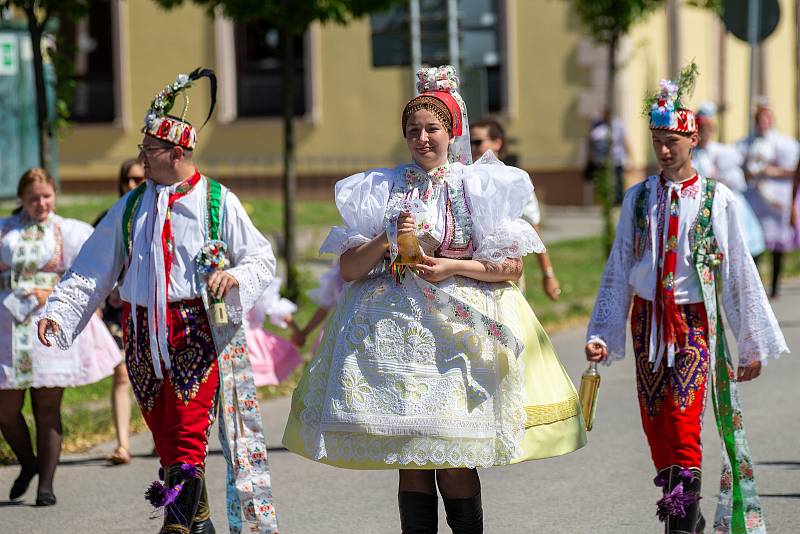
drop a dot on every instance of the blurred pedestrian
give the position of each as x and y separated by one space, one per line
723 163
325 296
597 144
770 160
36 248
131 174
488 134
434 364
679 258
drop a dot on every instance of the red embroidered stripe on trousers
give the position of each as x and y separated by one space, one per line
179 409
672 399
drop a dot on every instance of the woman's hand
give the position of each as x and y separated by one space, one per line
220 282
406 223
552 287
435 269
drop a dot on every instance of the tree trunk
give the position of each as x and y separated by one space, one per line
289 172
36 29
606 182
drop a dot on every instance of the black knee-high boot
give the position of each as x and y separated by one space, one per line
419 512
179 515
465 516
679 508
202 519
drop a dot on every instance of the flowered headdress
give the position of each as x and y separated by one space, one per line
438 93
665 108
177 130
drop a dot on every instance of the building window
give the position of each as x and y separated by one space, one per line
258 71
91 40
479 46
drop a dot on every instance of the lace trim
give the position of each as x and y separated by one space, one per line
339 241
254 277
513 239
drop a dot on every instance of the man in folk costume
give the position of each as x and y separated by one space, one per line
678 248
189 264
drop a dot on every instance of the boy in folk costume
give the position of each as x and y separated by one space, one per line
678 249
189 264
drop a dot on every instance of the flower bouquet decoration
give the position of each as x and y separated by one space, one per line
213 257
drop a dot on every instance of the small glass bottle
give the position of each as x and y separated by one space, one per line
408 251
590 384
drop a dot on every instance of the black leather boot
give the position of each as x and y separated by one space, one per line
202 519
179 515
679 508
419 512
465 516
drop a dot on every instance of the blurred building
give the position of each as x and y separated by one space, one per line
527 62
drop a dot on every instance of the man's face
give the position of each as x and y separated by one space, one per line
764 120
158 158
673 150
481 142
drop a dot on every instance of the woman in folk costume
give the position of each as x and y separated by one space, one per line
272 357
189 265
723 163
770 159
36 247
679 245
438 367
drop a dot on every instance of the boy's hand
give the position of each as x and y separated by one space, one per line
220 282
596 352
749 371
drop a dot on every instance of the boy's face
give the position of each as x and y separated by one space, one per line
673 150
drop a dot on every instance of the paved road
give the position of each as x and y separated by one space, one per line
603 488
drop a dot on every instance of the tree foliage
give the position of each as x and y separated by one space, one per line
607 20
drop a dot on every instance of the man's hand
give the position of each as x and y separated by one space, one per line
749 371
596 352
220 282
47 326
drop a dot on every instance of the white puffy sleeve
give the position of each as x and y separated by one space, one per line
497 196
361 200
787 152
609 322
98 261
531 213
74 234
747 309
271 303
729 163
330 288
251 256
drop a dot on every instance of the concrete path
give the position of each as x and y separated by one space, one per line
603 488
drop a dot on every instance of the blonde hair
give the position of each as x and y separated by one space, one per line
36 175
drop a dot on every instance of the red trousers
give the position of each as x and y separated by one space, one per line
180 408
672 399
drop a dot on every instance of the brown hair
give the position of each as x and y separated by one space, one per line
32 176
495 131
124 169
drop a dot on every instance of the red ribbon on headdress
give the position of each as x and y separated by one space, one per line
452 106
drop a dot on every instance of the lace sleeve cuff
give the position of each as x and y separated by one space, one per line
254 277
512 239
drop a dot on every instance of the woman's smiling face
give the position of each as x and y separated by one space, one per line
427 139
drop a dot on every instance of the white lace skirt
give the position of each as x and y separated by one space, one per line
408 376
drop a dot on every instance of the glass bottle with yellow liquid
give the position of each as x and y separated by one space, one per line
408 251
590 385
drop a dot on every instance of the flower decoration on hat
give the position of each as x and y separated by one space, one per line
160 124
665 107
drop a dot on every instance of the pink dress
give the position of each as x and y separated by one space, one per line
272 357
35 256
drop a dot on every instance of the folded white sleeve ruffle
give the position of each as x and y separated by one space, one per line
331 286
498 195
361 200
271 303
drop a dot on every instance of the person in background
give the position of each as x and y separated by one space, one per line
488 134
131 174
597 147
325 296
36 248
770 160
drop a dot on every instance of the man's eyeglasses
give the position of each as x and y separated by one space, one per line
151 148
476 142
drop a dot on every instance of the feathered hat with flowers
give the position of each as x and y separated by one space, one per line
160 124
666 107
